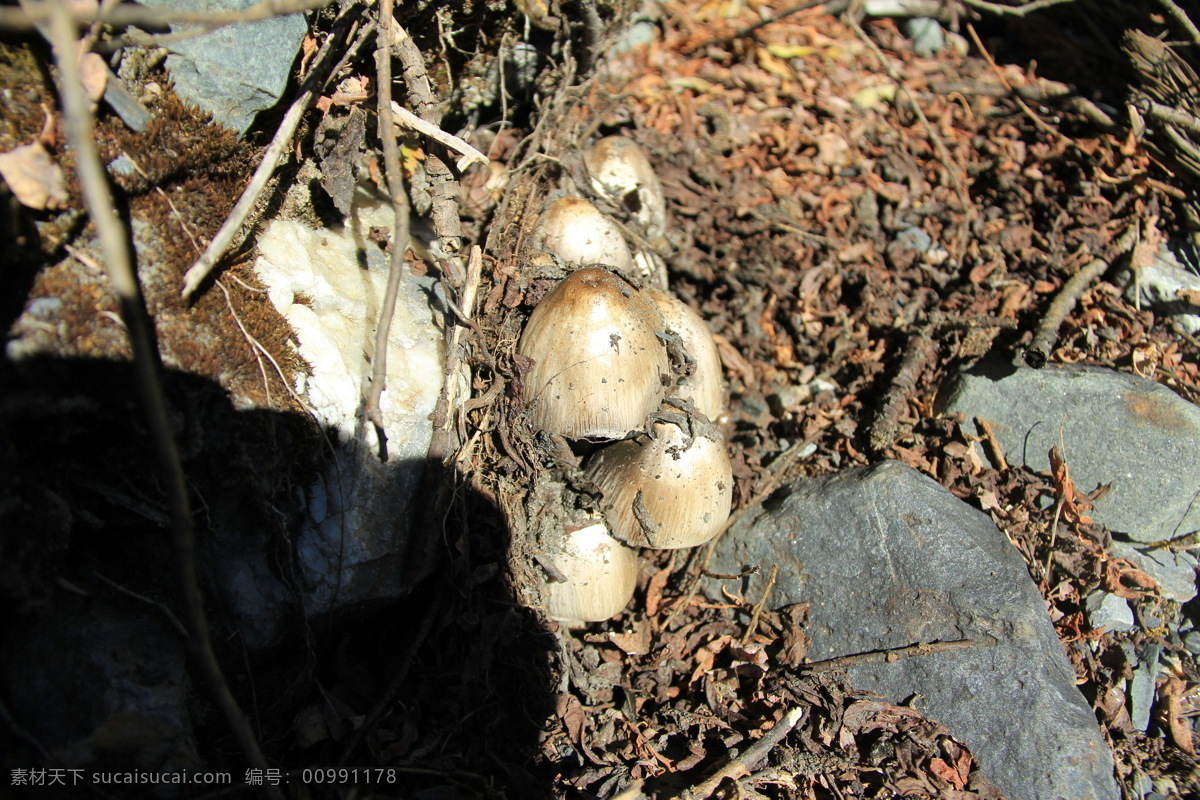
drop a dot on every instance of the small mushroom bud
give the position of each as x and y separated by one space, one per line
621 170
667 490
594 578
704 387
575 231
598 363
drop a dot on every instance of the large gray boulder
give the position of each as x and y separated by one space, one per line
1114 428
887 558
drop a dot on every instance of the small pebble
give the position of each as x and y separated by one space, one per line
1192 642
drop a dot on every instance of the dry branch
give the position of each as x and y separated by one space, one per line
127 14
1016 11
399 197
262 175
740 765
1064 302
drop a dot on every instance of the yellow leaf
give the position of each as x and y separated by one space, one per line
871 96
776 66
410 158
695 84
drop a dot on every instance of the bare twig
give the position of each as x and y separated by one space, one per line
762 601
889 655
279 145
127 14
469 154
1016 11
921 351
118 262
1182 18
992 444
399 197
443 188
1040 123
1064 302
742 764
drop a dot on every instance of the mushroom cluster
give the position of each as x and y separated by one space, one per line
632 374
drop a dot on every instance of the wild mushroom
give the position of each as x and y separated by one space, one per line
598 362
704 386
669 489
575 231
593 577
621 170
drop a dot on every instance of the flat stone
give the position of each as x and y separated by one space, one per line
1115 428
888 558
1106 610
236 71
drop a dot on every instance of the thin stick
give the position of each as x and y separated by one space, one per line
886 656
469 154
127 14
118 262
1184 21
1016 11
399 197
279 144
1064 302
994 451
740 765
762 601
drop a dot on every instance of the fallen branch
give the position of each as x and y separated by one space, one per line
992 444
889 655
469 154
742 764
118 262
399 197
443 187
266 168
1064 302
131 14
1016 11
1183 19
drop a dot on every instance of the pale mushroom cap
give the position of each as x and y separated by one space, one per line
620 169
578 233
601 575
705 387
685 496
599 365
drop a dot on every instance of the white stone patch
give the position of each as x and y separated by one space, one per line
329 285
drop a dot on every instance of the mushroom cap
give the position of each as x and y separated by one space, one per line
578 233
659 492
601 575
620 169
705 387
599 365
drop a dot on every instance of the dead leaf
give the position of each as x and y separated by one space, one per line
947 773
34 178
93 71
1170 694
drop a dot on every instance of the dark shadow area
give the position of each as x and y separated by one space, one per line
95 672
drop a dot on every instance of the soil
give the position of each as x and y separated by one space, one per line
855 221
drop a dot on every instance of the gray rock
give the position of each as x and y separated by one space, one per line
1108 611
1115 428
887 558
99 682
1143 687
1159 285
1174 571
236 71
927 35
